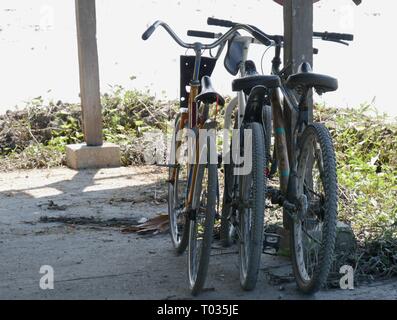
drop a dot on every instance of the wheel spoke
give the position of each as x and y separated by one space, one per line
310 236
311 190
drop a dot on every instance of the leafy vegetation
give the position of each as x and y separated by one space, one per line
366 144
36 136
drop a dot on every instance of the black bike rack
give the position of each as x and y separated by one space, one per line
207 66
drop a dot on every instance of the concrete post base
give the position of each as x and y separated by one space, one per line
80 156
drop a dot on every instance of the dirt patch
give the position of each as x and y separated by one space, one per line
92 221
159 224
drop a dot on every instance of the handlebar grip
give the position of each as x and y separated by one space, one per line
201 34
148 32
334 36
220 23
344 36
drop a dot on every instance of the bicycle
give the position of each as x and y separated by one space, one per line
244 192
240 221
303 156
193 186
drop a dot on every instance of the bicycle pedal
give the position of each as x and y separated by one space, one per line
271 243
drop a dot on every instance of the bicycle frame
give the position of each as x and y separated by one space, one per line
190 119
286 160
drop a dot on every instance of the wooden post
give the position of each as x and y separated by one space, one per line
89 71
298 47
94 153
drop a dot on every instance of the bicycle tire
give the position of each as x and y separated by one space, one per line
197 271
250 247
321 207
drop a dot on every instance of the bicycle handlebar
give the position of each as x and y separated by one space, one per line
327 36
231 24
228 35
148 32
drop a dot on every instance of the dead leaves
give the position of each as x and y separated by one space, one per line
51 205
159 224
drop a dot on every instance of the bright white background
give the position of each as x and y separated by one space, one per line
39 54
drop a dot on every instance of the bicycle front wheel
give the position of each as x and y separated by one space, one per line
201 228
251 211
314 228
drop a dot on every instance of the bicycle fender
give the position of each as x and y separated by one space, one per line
255 103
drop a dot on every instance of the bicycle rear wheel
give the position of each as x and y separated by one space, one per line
313 231
251 212
177 192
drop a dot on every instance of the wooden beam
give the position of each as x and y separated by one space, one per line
298 32
298 47
89 71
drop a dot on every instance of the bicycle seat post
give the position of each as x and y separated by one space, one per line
195 84
196 74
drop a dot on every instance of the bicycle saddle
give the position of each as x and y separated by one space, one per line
253 79
305 77
247 83
208 93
